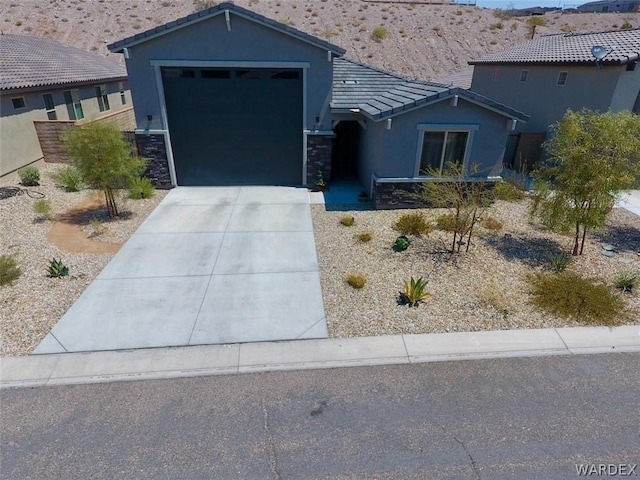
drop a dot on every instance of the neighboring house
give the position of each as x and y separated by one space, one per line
548 75
46 88
226 97
610 6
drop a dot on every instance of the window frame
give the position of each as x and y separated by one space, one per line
469 129
495 75
564 78
50 109
20 99
103 98
74 104
524 76
123 96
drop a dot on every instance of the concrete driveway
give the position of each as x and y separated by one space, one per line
210 265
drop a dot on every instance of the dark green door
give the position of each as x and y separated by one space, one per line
238 126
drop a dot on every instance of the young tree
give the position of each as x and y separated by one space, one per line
592 157
468 197
104 158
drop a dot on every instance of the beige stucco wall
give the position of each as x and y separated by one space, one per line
19 144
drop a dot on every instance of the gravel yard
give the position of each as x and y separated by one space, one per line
35 302
484 289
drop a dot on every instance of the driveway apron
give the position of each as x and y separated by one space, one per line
210 265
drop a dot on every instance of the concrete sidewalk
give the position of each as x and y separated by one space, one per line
159 363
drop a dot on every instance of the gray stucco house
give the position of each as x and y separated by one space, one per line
226 96
610 6
47 87
548 75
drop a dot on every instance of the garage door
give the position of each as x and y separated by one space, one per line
239 126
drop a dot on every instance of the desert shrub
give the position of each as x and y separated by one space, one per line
57 269
347 220
536 20
627 281
412 224
9 270
141 187
508 192
449 223
401 244
498 25
491 223
29 176
356 281
569 295
626 26
379 33
364 237
42 207
414 291
69 178
97 228
560 262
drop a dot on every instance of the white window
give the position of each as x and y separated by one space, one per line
18 103
443 145
103 98
49 106
523 75
562 79
74 104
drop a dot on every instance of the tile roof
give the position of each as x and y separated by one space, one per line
570 48
32 62
379 94
461 78
219 10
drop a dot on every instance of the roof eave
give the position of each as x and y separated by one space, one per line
58 85
119 46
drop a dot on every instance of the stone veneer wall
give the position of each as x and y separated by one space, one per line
319 157
390 195
153 148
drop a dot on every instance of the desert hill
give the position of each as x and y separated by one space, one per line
420 41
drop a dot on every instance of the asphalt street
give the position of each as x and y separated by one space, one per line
485 419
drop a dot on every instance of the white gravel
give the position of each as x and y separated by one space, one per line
484 289
33 304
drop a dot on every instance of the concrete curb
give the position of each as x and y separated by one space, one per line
163 363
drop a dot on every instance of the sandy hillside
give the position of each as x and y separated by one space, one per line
424 41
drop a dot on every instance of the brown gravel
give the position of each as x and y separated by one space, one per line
484 289
35 302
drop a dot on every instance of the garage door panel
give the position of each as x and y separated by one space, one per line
235 130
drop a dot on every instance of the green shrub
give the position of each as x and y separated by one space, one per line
414 291
626 26
69 178
356 281
569 295
379 33
29 176
508 192
449 223
9 270
402 243
364 237
412 224
347 221
627 281
141 187
560 262
42 207
57 269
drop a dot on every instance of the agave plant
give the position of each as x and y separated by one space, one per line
57 268
402 243
413 291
